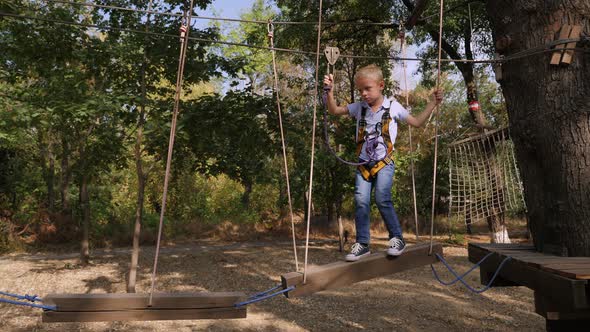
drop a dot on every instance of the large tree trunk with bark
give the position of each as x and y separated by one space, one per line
549 111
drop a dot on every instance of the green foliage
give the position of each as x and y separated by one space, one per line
95 105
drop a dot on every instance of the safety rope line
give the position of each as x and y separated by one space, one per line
29 304
254 299
454 281
407 104
261 294
270 29
315 106
184 33
460 277
227 19
545 48
31 299
436 124
333 152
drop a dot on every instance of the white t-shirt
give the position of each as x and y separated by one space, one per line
396 111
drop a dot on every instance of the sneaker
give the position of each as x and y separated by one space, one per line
357 251
396 246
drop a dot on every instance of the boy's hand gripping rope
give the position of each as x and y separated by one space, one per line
332 54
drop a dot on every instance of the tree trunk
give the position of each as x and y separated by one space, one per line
48 167
51 181
66 174
247 192
549 115
85 204
141 180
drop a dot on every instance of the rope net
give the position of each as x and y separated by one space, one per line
484 179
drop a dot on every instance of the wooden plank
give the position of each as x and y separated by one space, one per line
340 274
125 301
563 34
505 246
568 293
582 273
143 315
569 54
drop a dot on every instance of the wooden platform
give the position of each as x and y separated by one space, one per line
340 274
131 307
561 284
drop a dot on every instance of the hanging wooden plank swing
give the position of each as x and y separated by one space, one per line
340 274
134 307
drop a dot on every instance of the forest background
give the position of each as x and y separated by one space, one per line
85 114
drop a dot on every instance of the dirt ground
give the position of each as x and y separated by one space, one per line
409 301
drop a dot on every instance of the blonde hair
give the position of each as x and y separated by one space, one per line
370 71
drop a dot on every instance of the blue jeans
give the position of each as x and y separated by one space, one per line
362 198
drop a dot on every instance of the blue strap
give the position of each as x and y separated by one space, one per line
29 304
460 278
258 297
32 298
255 296
454 281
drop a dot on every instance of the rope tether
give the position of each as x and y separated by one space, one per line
315 106
184 33
436 129
460 277
264 296
31 299
402 37
285 164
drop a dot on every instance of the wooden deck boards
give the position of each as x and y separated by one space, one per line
563 281
340 274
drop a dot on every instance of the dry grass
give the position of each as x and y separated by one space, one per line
409 301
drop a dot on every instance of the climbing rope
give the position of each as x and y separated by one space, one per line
184 34
459 278
407 104
285 164
315 106
31 299
436 124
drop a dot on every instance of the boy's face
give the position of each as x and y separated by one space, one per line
370 89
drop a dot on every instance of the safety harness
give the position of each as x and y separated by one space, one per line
371 169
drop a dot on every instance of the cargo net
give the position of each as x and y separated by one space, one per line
484 179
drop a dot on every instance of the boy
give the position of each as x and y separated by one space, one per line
376 119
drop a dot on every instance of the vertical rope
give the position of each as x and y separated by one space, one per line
276 85
440 30
315 106
181 61
404 63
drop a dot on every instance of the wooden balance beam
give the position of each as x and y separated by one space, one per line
340 274
134 307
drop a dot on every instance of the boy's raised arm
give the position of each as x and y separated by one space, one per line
333 108
420 119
